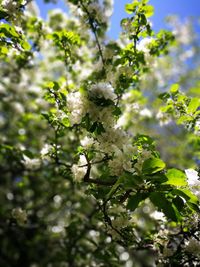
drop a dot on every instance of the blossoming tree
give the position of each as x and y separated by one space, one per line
94 169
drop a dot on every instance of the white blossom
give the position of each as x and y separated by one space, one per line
104 90
141 158
10 5
144 44
158 215
193 181
163 118
193 177
146 113
77 107
96 10
18 107
87 142
31 164
79 170
197 127
168 252
193 247
120 162
45 151
20 215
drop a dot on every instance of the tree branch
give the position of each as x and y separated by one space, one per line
89 180
93 28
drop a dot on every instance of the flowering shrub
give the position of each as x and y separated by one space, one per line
99 138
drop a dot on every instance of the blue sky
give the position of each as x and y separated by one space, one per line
183 8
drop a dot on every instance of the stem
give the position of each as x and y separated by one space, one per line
56 146
93 28
89 180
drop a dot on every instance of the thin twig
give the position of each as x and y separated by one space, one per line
87 178
93 28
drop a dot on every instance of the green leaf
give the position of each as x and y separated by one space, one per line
184 119
178 202
187 195
25 45
135 200
162 203
149 11
176 177
65 122
193 105
131 8
152 165
157 178
114 187
28 153
144 140
3 14
8 31
131 181
164 96
93 127
117 111
174 88
99 129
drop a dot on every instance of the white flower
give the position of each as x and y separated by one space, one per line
45 151
106 117
79 170
193 181
87 142
18 107
31 164
77 106
146 113
10 5
163 118
120 162
193 247
20 215
108 53
129 149
144 45
96 10
157 215
193 178
167 252
104 90
141 158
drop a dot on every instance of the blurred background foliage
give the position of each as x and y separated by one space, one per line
46 219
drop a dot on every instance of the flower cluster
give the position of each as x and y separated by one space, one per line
193 247
20 215
112 141
193 181
145 154
104 90
79 170
31 164
79 104
11 6
144 44
96 11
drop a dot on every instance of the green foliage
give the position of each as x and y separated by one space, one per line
88 169
176 177
161 201
152 165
